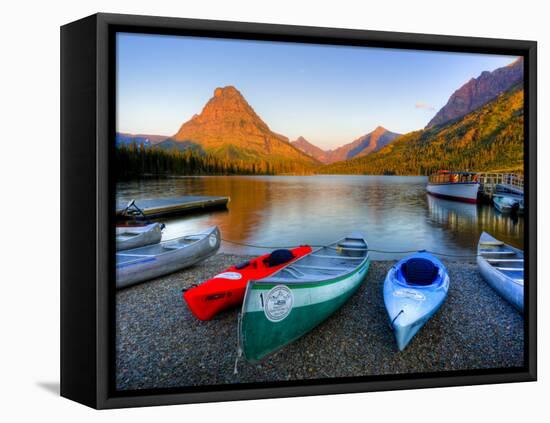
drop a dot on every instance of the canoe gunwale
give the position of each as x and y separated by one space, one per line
330 279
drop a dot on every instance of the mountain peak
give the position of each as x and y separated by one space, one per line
228 91
478 92
229 128
226 109
308 148
379 129
516 62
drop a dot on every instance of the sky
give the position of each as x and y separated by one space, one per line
330 95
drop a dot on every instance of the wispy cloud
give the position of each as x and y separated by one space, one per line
425 106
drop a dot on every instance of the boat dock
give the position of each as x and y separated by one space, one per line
492 184
172 206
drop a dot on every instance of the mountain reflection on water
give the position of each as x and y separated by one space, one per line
394 212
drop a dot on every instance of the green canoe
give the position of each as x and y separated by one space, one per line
286 305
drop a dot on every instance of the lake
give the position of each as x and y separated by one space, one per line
394 212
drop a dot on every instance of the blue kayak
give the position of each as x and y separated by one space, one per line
414 290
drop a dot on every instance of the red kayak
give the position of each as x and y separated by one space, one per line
227 289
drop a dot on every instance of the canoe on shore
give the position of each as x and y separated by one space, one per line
502 267
226 289
283 307
414 289
128 237
145 263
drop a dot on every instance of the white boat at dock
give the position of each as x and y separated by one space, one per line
460 186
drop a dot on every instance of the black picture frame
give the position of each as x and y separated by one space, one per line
87 207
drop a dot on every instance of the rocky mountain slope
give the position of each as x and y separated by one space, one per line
229 128
368 143
490 138
479 91
311 150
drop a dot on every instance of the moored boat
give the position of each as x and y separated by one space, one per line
149 262
414 289
502 267
283 307
128 237
506 205
226 289
460 186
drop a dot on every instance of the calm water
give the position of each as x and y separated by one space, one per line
394 212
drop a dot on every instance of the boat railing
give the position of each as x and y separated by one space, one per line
491 183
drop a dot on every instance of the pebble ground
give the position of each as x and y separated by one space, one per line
160 344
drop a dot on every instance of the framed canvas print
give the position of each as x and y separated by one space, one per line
256 211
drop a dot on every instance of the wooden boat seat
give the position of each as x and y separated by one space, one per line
504 260
171 247
335 268
510 269
492 243
336 257
294 272
348 248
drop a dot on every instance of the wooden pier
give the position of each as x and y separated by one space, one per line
173 206
492 184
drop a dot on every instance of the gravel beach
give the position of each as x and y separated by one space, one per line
160 344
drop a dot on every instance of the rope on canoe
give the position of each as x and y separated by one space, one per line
395 318
372 250
274 247
265 247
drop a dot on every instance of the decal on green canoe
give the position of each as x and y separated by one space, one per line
278 303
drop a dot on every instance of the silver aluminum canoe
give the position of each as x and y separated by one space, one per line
146 263
502 267
128 237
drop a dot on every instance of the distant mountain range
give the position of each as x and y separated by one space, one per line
479 91
489 138
229 128
123 138
366 144
480 128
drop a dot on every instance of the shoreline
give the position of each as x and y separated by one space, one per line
160 344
